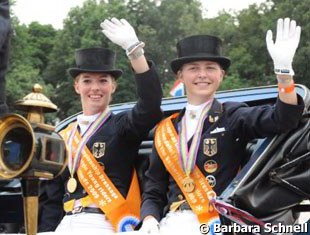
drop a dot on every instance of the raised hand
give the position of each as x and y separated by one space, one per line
120 32
282 51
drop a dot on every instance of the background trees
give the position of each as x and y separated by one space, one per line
42 54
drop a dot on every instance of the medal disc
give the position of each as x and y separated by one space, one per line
188 185
71 185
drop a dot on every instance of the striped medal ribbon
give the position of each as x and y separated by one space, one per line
188 158
74 160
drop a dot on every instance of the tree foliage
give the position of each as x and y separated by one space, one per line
41 54
29 57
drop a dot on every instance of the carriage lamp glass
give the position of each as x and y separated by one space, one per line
16 145
16 148
53 150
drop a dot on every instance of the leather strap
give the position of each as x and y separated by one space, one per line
81 209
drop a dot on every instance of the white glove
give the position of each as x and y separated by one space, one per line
120 32
149 226
283 50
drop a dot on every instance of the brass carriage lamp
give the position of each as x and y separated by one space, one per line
31 150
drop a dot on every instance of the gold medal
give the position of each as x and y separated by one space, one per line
71 185
188 185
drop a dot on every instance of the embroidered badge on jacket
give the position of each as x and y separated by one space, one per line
98 149
210 146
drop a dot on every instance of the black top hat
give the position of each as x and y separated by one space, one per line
95 60
199 47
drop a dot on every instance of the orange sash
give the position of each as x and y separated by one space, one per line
123 213
166 143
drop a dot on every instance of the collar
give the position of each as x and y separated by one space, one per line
215 111
193 112
86 120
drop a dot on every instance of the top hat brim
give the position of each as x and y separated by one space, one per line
176 64
116 73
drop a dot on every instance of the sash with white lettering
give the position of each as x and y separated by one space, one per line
166 143
123 213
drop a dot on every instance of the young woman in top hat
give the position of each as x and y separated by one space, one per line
101 191
198 151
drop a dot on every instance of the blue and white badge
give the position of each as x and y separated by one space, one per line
127 223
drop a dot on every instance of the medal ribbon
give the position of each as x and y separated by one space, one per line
166 143
74 160
188 158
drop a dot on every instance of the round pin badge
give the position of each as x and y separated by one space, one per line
210 166
211 180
